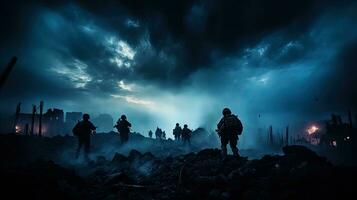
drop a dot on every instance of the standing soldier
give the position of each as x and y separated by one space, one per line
150 134
177 132
163 135
83 131
123 127
228 128
158 133
186 135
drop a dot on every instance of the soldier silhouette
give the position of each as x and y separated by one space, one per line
228 129
177 132
150 134
186 135
83 131
158 133
123 127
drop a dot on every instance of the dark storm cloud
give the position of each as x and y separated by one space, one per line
341 87
189 34
193 34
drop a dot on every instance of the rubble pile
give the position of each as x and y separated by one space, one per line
298 174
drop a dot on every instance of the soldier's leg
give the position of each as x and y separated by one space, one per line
224 142
79 147
121 138
86 149
233 143
126 137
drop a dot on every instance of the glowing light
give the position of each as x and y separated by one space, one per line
313 129
334 143
17 129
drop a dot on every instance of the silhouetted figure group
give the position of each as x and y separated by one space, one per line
228 129
159 134
183 135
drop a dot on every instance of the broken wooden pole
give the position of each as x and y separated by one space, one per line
40 119
17 116
5 74
26 129
33 119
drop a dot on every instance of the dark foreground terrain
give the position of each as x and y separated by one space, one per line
297 174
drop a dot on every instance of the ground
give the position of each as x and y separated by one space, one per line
298 173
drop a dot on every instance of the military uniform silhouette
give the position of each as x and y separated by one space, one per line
150 134
158 133
228 128
186 135
177 132
123 127
83 131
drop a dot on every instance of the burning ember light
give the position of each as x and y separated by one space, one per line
311 130
334 143
17 129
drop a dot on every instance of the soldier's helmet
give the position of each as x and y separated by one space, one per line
177 124
123 117
226 111
86 117
185 126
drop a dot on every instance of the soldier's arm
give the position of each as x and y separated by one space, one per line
75 127
128 123
92 127
220 123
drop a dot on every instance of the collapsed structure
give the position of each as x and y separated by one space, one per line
53 122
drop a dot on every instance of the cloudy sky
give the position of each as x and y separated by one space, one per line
162 62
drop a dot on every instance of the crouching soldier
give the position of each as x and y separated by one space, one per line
228 128
83 131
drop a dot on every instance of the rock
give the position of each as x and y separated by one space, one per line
101 160
234 175
119 158
215 194
134 154
116 178
209 153
225 195
300 152
148 156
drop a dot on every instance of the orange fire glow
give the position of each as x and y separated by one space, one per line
311 130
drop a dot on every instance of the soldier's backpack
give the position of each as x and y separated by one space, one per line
232 122
177 131
76 130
